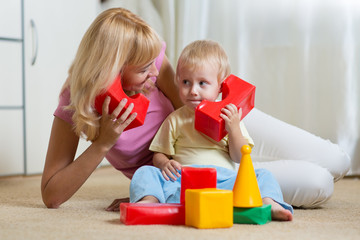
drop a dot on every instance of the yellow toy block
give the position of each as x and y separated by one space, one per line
246 189
209 208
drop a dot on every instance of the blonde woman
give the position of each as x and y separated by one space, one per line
117 42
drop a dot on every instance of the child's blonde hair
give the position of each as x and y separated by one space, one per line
201 53
116 38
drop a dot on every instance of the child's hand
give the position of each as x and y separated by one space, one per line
170 169
231 116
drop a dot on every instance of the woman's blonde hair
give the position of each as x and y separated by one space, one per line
116 38
201 53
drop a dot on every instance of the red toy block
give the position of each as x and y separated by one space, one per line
141 103
152 213
207 114
196 178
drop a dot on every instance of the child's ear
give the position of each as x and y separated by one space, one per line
220 88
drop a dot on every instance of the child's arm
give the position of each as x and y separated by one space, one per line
167 166
232 117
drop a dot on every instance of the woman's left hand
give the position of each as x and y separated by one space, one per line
113 124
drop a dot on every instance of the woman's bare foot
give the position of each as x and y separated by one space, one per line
148 199
278 213
114 206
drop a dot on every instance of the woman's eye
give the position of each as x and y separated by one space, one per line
146 68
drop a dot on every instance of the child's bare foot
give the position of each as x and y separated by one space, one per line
278 213
148 199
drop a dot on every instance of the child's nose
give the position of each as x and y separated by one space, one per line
194 90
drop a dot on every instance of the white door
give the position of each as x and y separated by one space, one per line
11 90
53 30
11 109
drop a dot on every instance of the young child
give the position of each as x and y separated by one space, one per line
201 68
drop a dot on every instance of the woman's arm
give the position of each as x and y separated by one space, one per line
166 83
63 175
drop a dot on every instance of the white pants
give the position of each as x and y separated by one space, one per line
305 165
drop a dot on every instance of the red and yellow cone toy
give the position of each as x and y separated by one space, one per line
246 190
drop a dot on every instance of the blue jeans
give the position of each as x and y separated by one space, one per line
148 180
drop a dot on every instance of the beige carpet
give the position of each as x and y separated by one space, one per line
23 215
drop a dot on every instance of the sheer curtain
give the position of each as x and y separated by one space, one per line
302 55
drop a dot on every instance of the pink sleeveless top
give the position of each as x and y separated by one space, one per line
131 151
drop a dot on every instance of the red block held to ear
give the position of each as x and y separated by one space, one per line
141 103
207 114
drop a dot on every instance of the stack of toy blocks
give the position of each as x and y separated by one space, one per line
202 205
248 206
215 208
205 205
174 214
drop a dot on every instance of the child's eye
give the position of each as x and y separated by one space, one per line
185 82
203 83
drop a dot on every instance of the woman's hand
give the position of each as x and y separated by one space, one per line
232 117
111 124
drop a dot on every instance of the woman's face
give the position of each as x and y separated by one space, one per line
134 77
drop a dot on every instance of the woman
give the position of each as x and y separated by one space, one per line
117 42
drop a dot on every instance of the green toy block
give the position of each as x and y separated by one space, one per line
255 215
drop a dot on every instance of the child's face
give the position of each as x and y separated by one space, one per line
197 85
134 78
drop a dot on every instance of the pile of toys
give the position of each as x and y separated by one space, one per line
202 205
